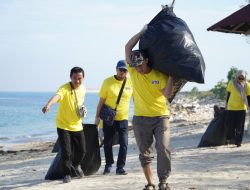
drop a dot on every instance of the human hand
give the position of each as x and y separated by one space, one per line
45 109
100 136
167 93
248 112
145 27
97 121
169 90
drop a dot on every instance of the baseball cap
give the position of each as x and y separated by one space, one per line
121 65
136 58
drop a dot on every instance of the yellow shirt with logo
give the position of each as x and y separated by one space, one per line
235 101
66 117
110 90
148 98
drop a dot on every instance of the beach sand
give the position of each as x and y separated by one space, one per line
223 167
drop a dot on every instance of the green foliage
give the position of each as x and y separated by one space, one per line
220 90
194 91
205 94
232 73
199 94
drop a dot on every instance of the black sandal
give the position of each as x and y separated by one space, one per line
149 187
163 186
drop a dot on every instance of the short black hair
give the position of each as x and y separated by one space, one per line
76 70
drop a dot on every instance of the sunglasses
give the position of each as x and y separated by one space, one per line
123 70
240 78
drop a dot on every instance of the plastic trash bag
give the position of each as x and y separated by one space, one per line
216 132
92 159
171 48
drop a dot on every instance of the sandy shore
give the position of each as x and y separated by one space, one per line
223 167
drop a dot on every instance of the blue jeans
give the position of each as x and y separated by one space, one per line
109 131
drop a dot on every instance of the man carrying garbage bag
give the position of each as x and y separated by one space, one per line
171 48
151 114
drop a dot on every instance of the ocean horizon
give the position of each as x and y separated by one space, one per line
22 120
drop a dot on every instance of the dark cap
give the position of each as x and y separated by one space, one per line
121 65
136 58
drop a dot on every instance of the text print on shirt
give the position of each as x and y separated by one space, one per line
155 82
128 88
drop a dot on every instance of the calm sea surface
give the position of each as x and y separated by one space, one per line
21 118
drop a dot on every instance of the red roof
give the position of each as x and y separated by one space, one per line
238 22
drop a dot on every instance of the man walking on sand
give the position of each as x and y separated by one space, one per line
151 114
69 125
109 94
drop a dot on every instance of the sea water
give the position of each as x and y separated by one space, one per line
22 120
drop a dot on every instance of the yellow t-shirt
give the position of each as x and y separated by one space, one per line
148 98
110 90
66 117
235 101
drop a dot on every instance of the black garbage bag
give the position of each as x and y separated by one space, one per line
56 170
171 48
91 162
177 86
116 138
56 147
216 132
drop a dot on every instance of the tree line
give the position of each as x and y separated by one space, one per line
219 90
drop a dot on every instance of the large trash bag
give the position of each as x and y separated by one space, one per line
171 48
216 132
91 162
177 86
56 147
56 170
116 138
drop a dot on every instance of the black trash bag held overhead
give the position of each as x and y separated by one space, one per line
171 48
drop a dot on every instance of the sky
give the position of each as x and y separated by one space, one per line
41 40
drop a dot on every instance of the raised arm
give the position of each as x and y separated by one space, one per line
132 42
51 101
168 90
